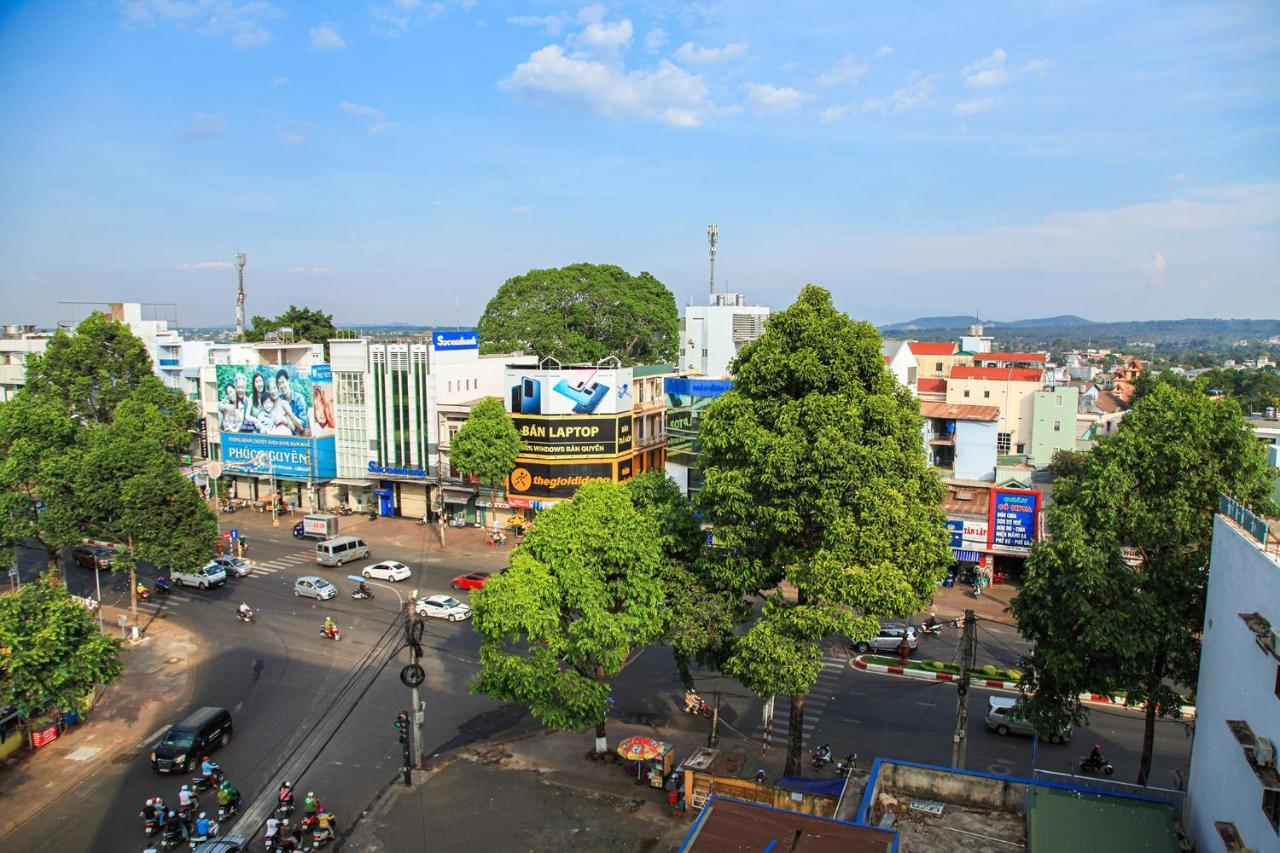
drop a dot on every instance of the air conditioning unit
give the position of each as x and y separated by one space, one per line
1264 753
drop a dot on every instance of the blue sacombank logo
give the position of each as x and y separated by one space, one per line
464 339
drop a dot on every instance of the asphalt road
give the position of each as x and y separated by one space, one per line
299 700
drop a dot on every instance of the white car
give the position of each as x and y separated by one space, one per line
387 570
443 607
205 577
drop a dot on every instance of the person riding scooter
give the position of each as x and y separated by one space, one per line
285 804
203 828
244 612
330 630
364 590
1095 759
822 755
210 770
324 827
228 796
144 594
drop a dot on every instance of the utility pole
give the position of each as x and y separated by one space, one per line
713 737
713 233
968 649
412 676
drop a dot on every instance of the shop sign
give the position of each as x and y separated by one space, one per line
494 504
1132 557
456 340
390 470
532 478
44 736
955 527
975 533
1013 518
574 437
203 425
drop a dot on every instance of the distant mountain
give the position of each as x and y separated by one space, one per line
962 321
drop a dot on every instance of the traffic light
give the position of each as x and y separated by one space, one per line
402 726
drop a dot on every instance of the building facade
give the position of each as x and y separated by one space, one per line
1010 389
1054 413
17 344
1233 790
711 335
902 363
961 440
687 400
934 359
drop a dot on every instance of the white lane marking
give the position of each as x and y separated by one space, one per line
153 736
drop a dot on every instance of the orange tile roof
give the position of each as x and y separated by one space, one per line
959 411
1008 356
1007 374
932 348
931 386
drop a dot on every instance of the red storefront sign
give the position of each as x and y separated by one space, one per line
40 738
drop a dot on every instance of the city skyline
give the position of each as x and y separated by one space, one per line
1112 162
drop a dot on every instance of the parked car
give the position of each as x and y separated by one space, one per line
1005 716
475 580
888 640
234 566
314 587
93 557
206 577
185 744
443 607
387 570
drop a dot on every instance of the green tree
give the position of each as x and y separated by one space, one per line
51 651
487 445
1099 624
815 475
583 592
308 324
583 313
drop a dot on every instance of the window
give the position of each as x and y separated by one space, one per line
966 392
1271 807
937 365
986 395
1058 400
1022 448
1004 440
1057 426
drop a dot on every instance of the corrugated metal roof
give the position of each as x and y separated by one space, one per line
1003 374
1056 819
730 826
933 347
959 411
931 386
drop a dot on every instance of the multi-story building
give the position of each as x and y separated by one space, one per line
1233 790
163 344
17 344
902 362
1054 414
711 335
1010 389
961 440
936 358
1035 360
687 400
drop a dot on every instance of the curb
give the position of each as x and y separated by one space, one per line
1188 711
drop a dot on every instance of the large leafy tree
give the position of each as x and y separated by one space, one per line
308 324
1099 623
583 313
51 651
816 475
583 592
487 445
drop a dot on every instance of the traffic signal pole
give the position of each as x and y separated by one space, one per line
968 649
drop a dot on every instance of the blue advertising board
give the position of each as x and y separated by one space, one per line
291 457
696 387
1013 517
956 528
456 340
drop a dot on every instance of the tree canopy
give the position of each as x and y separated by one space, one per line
815 474
1100 624
487 444
308 324
51 650
583 591
583 313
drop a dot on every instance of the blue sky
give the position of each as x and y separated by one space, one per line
398 160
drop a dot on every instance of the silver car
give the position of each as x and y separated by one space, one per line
1004 717
888 639
314 587
234 566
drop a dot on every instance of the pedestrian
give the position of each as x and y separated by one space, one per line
904 650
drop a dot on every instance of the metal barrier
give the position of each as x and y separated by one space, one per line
1252 524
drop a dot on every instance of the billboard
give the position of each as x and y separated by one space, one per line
280 400
568 391
560 480
1012 518
574 437
277 419
456 340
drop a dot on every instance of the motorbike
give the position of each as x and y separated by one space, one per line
244 616
284 808
150 825
336 635
361 594
213 832
373 515
144 594
700 708
843 768
344 510
228 507
207 783
820 757
172 837
1093 765
162 586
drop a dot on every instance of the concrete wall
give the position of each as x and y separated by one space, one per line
975 450
1237 682
952 787
1054 406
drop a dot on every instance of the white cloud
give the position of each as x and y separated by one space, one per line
203 126
241 22
709 55
972 106
392 19
206 265
847 71
915 93
767 99
1180 177
666 93
884 51
592 14
327 37
291 131
521 209
1153 270
555 24
994 70
280 81
831 114
655 40
378 119
602 38
310 270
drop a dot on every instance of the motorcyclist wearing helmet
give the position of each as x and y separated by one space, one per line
244 611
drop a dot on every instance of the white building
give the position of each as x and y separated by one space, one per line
901 361
961 440
163 344
975 342
17 343
711 335
1233 792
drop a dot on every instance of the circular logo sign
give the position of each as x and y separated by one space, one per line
521 480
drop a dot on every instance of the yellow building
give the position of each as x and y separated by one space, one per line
936 358
1010 389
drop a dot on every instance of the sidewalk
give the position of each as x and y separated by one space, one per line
156 679
537 791
951 602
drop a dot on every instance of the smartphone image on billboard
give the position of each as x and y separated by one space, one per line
530 396
595 392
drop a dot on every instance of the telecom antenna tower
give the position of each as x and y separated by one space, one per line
713 231
240 297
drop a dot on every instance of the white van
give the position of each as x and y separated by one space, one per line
341 549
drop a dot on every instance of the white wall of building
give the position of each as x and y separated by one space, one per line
1237 682
711 335
975 450
16 344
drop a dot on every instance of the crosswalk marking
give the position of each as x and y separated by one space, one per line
815 703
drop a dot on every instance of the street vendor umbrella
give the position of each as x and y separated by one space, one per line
640 748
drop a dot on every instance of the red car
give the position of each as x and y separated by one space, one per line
475 580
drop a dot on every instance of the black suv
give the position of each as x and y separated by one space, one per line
93 557
184 745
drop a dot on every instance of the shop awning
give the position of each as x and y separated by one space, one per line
458 494
966 556
342 481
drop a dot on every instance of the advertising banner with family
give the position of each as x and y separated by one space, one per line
283 411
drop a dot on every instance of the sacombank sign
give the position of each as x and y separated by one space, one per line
463 339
